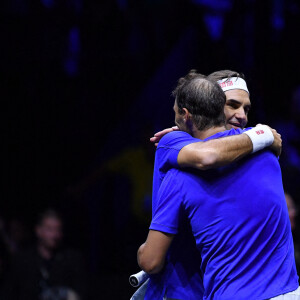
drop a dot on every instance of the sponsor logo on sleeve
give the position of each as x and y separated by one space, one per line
259 132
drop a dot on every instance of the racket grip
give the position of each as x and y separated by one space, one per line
137 279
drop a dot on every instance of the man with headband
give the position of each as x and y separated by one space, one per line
171 201
237 104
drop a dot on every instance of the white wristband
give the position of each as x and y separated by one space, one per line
261 137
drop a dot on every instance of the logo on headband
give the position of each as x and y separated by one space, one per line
234 83
226 83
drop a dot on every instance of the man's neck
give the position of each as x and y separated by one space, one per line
206 133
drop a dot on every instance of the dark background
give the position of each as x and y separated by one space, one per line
85 83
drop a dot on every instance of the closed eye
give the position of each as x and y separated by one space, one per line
247 109
233 103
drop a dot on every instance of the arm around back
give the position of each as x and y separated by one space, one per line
215 153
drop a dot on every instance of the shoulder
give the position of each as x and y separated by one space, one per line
176 140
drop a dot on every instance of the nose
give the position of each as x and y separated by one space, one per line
241 115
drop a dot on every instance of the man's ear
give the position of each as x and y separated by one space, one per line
186 115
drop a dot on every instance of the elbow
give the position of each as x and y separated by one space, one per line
148 263
207 159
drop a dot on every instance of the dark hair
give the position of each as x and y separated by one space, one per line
49 213
219 75
203 98
182 80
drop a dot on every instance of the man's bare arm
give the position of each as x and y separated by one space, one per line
220 152
214 153
151 255
217 152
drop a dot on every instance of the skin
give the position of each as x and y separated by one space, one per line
151 255
236 108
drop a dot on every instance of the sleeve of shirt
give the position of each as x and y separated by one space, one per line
169 208
171 144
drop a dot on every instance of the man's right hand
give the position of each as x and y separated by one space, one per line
158 135
277 144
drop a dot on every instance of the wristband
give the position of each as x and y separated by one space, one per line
261 136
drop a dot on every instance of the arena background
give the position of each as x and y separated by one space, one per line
85 83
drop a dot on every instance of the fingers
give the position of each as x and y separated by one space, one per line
272 129
277 144
276 134
163 132
158 135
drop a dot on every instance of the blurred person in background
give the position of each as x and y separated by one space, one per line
46 270
293 213
14 235
289 126
4 251
291 209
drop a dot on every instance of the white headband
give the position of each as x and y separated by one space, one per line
233 83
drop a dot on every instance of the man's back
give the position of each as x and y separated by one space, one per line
240 222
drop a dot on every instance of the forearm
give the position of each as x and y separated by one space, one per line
151 255
229 150
215 153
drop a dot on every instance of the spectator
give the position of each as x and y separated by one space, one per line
291 209
293 213
46 270
4 250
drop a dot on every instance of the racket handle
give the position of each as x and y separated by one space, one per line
137 279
